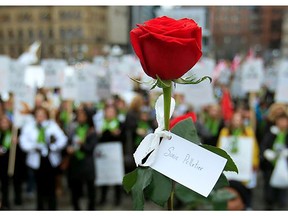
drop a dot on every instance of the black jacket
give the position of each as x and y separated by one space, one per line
85 168
267 143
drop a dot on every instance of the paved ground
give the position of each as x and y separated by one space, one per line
64 201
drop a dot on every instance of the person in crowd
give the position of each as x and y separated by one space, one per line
121 109
240 201
111 132
80 168
144 126
5 144
130 125
237 129
2 112
274 110
274 142
213 122
64 115
43 141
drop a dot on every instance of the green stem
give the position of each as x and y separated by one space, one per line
167 103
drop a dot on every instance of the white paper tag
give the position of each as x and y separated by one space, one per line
189 164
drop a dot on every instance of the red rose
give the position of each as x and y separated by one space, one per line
167 47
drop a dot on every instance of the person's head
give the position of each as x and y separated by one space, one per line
84 116
144 115
281 121
39 99
241 196
214 111
275 110
110 112
5 123
120 104
236 120
41 114
137 103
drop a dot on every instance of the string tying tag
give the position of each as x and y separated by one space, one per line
150 144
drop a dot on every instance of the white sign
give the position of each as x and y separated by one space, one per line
270 78
252 75
109 163
193 94
120 81
189 164
69 86
16 76
4 73
53 72
34 75
243 157
24 95
281 95
86 83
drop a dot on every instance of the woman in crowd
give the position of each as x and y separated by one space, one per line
236 130
43 141
81 168
111 132
272 145
214 123
5 143
130 125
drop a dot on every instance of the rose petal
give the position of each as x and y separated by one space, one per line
168 57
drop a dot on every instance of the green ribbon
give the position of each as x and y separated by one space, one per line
110 125
280 140
212 125
81 132
141 125
235 134
41 134
64 117
7 139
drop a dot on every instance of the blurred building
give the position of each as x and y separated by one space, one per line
69 32
284 42
235 29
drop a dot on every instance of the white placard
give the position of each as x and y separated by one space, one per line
193 94
24 94
16 76
109 163
69 85
34 76
252 75
270 78
54 72
4 73
281 94
189 164
86 83
243 158
120 82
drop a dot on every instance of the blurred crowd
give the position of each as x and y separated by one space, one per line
56 144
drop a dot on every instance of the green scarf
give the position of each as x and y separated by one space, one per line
41 134
7 139
81 132
141 125
64 117
110 125
235 134
212 125
280 140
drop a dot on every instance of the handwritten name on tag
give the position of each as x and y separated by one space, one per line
189 164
